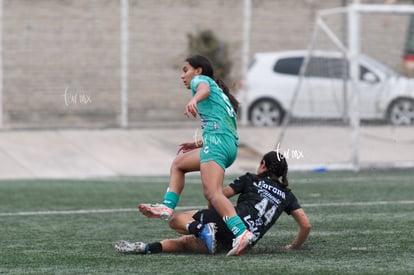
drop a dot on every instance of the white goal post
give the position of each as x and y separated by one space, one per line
351 50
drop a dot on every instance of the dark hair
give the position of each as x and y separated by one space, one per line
200 61
277 167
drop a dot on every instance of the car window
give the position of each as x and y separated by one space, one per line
380 66
324 67
363 70
327 68
290 65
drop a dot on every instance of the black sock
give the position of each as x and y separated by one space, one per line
195 228
155 247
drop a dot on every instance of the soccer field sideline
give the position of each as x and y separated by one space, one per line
149 152
182 208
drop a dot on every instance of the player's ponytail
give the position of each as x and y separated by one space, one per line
226 90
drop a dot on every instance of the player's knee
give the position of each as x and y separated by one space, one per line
308 226
173 223
175 164
209 194
178 164
212 191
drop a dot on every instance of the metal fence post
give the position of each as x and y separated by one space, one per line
124 62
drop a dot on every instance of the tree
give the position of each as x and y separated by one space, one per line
206 43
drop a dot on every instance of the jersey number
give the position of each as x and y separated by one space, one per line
229 107
267 215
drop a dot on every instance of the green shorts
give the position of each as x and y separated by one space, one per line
219 148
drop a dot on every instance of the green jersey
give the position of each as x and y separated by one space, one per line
216 112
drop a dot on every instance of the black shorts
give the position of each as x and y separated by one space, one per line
224 236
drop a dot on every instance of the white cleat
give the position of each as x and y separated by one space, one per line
131 247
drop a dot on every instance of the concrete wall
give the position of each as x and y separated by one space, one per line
61 58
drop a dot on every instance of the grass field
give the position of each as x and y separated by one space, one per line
362 224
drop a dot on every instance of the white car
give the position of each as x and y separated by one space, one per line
273 78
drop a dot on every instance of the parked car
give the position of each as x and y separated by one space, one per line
273 77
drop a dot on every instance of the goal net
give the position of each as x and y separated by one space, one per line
354 83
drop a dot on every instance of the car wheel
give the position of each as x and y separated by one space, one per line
401 112
266 112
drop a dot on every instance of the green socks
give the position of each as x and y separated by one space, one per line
170 199
235 224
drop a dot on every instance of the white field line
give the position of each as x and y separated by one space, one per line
367 203
292 181
117 210
322 233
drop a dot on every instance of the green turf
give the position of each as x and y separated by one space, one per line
362 224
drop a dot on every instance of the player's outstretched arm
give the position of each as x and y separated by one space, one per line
304 228
228 192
